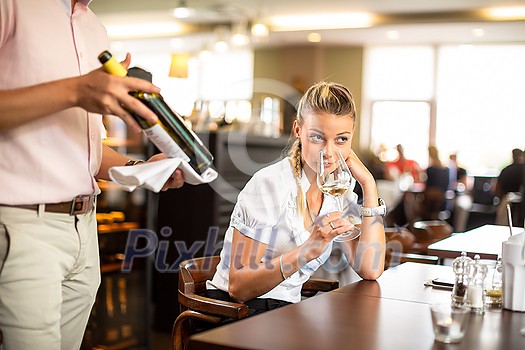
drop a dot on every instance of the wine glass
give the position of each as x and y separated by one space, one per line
334 179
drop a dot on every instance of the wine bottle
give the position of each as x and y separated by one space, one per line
169 134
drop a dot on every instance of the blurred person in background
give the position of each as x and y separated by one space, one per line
510 177
436 186
407 171
457 174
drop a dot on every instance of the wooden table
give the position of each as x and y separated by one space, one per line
485 240
392 313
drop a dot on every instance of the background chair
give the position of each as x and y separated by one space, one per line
399 248
428 232
193 275
478 206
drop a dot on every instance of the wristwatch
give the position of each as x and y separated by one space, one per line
132 162
375 211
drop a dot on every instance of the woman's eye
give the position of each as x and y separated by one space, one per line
316 138
342 139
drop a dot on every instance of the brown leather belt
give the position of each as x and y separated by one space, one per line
78 206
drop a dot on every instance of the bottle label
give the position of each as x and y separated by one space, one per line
165 143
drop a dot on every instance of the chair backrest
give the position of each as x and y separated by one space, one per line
430 231
399 246
433 203
400 234
194 273
482 192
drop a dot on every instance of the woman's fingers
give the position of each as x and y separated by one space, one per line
334 225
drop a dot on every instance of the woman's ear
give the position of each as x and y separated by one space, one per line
296 129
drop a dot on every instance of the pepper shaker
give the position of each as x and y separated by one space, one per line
460 265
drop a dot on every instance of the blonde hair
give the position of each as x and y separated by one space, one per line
322 97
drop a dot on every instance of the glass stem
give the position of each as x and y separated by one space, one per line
339 201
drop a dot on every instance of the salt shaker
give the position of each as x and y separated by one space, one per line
460 265
477 273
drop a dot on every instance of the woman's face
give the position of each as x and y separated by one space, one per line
324 131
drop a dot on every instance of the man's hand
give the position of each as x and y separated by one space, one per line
176 179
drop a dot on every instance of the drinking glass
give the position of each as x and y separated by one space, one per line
334 179
449 323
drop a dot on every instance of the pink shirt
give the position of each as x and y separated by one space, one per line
54 158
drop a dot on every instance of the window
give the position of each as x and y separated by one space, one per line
476 110
481 104
406 123
399 86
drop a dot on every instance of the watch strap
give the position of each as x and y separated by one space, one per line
374 211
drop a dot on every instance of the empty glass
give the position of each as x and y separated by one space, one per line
449 323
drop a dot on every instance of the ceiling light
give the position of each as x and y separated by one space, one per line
240 34
221 34
183 11
506 13
260 30
221 46
204 54
314 37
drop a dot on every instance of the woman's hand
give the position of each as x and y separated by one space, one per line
324 230
359 170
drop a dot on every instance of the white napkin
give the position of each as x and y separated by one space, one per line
154 175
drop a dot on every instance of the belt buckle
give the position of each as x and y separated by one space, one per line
81 204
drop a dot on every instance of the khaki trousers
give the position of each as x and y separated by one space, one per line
49 276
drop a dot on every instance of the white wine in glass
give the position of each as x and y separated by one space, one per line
334 179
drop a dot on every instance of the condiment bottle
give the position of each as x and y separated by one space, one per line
494 291
459 292
477 273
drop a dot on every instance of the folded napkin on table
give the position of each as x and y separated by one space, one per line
154 175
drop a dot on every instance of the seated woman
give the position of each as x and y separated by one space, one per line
282 227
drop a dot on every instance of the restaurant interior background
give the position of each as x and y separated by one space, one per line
442 72
422 72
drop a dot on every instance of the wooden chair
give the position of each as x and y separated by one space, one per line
428 232
432 204
399 243
193 275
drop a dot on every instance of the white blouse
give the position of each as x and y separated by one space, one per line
266 211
